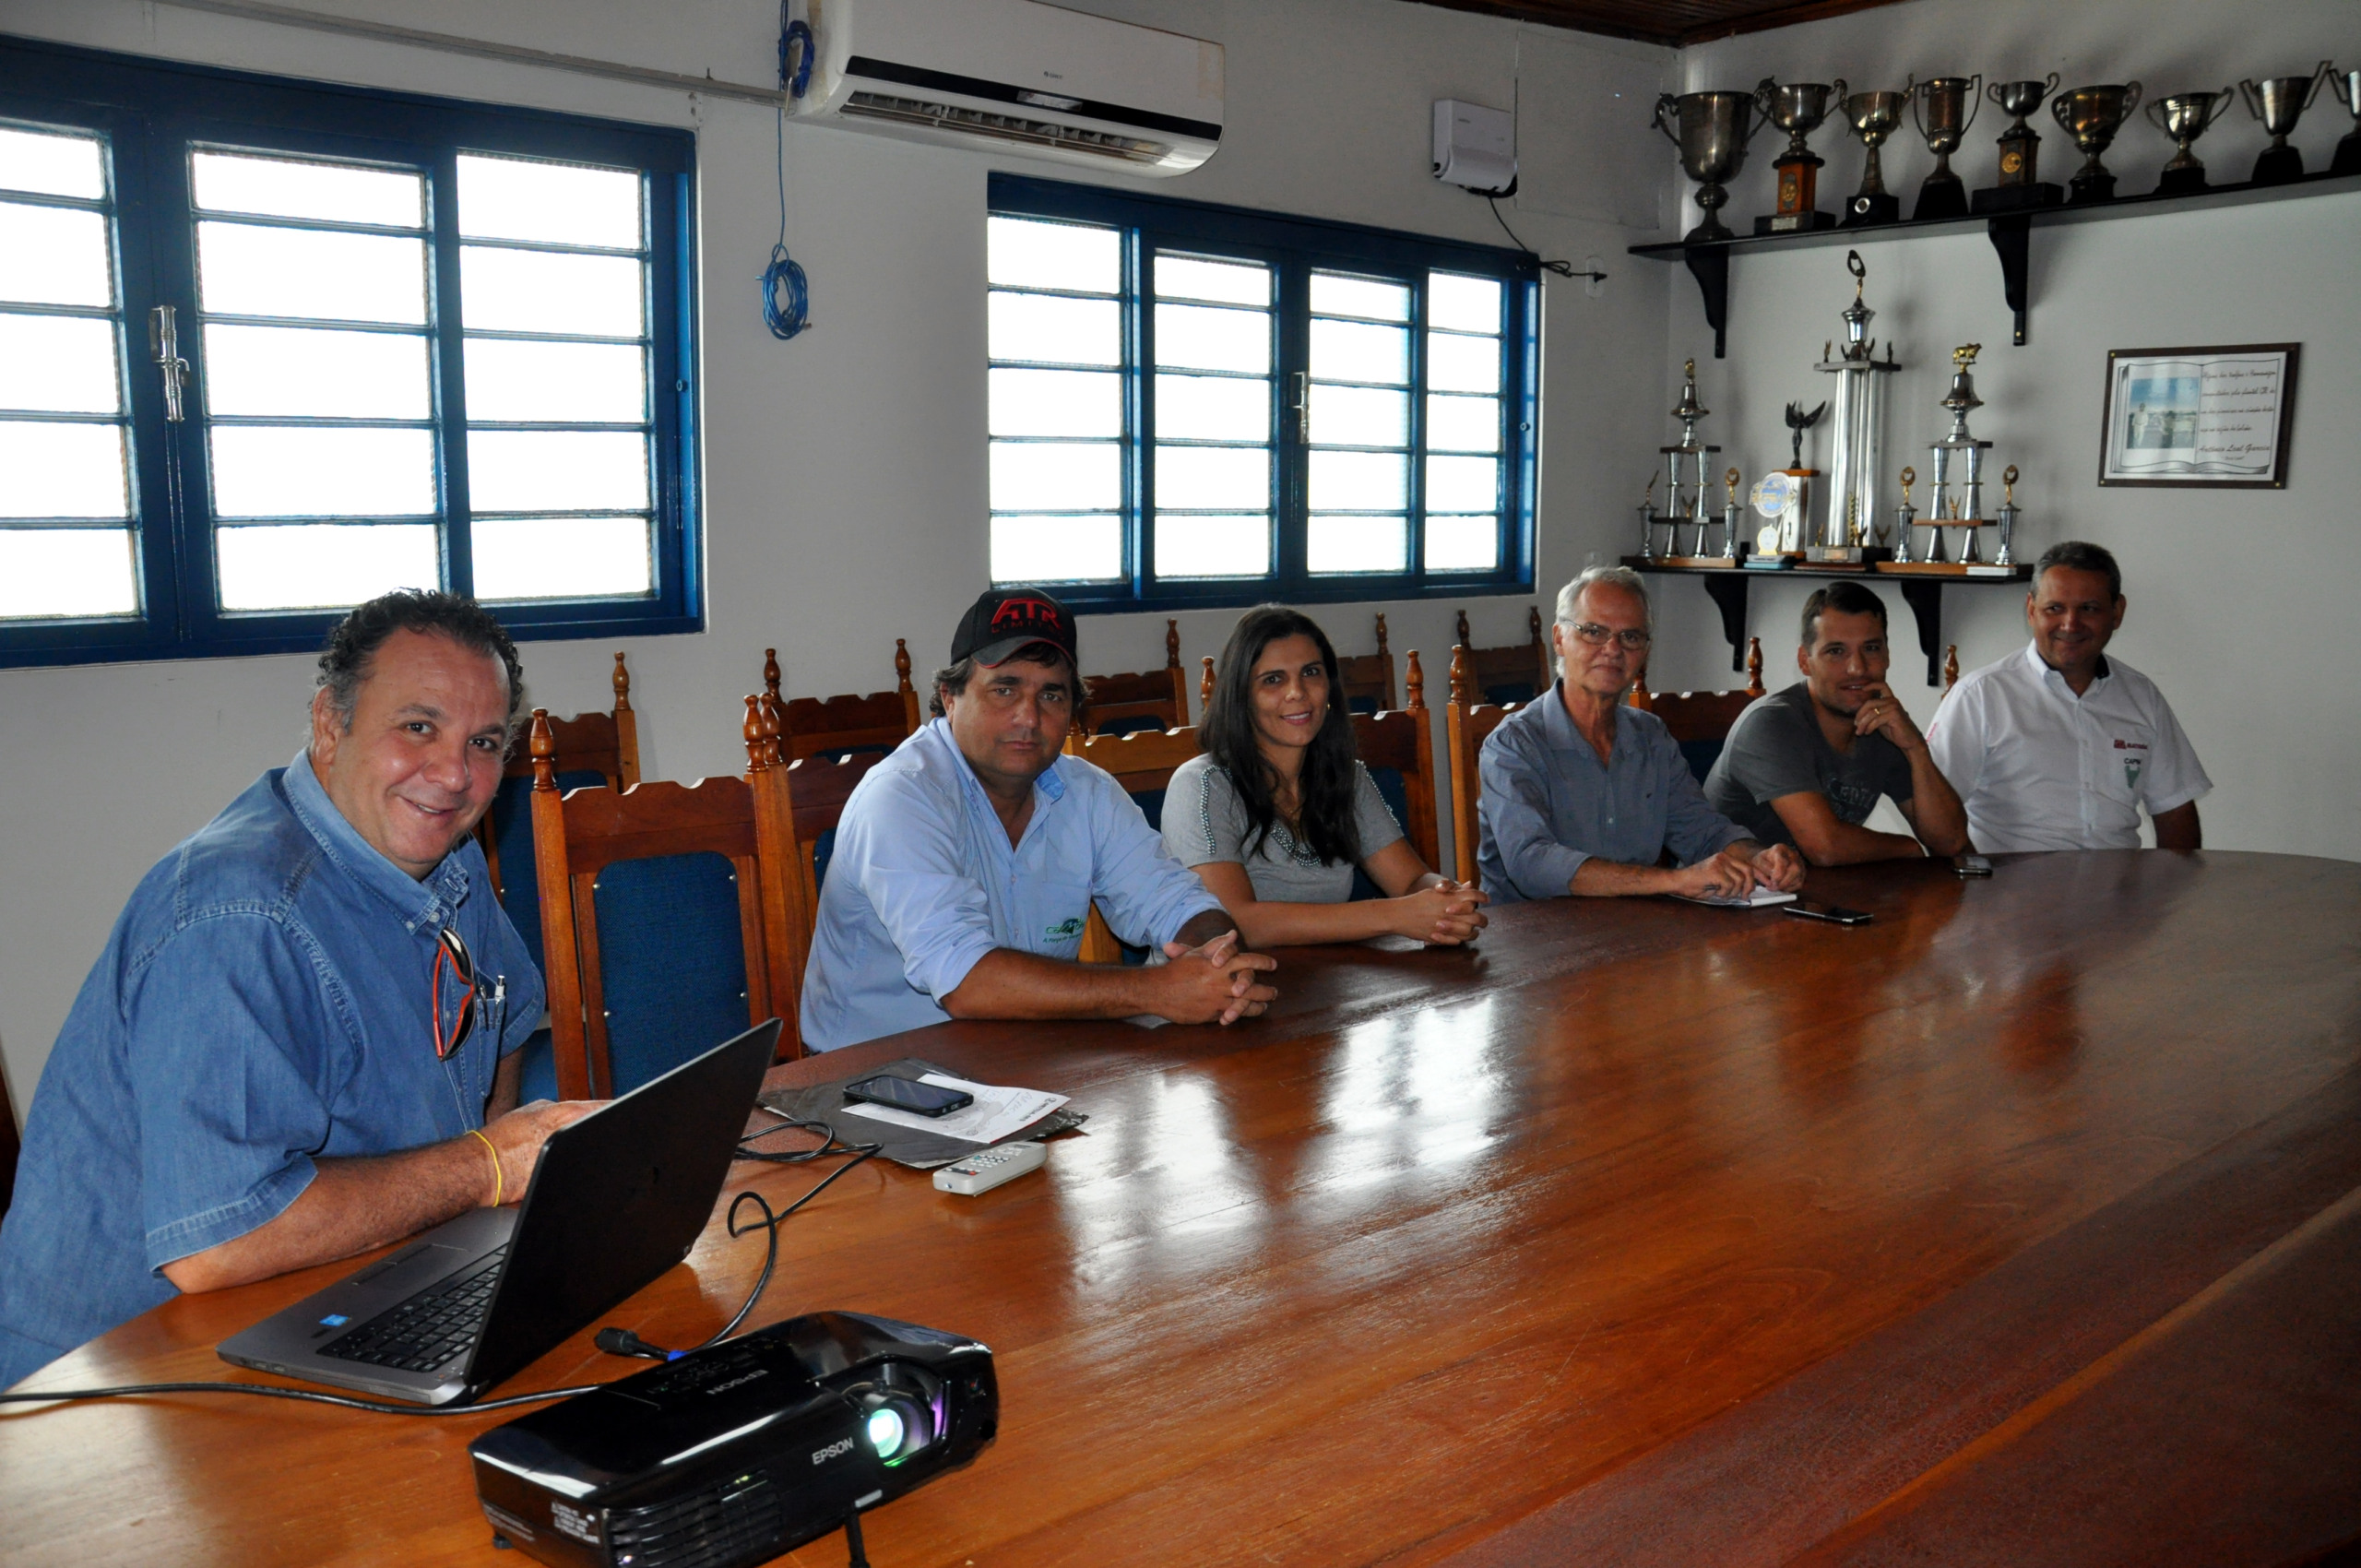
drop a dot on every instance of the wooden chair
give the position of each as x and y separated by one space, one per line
592 748
1700 721
1467 723
1950 667
1506 676
1398 749
841 726
1142 762
1367 679
673 915
1158 699
818 786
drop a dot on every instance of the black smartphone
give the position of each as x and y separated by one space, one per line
908 1094
1808 910
1971 865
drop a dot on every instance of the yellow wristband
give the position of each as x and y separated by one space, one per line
498 1180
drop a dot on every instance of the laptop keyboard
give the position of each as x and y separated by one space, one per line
431 1328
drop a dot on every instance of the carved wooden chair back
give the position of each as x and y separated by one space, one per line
1398 749
1142 762
1508 675
841 726
673 915
818 786
1156 699
1950 667
1701 721
1367 679
1467 722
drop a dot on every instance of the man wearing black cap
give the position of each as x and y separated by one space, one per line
967 863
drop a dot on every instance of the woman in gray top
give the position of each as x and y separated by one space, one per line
1278 811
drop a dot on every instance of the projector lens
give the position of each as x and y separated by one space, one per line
886 1430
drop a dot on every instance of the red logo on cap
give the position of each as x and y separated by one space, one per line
1022 610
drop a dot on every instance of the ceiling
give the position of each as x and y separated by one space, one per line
1663 21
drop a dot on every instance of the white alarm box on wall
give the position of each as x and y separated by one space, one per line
1476 146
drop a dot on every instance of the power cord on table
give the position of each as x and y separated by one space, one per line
267 1391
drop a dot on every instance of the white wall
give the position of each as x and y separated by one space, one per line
844 470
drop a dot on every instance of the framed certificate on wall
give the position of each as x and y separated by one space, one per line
2215 417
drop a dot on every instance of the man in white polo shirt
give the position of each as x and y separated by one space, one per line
2059 747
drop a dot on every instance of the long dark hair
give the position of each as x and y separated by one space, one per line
1325 791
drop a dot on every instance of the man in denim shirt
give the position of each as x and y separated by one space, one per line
967 863
296 1045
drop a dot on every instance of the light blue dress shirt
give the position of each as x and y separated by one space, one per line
924 883
1549 804
263 1002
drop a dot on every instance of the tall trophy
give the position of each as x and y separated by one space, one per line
1873 116
2279 102
2021 184
2348 151
1858 428
2092 115
2184 117
1956 493
1943 108
1684 494
1797 109
1904 516
1731 512
2008 556
1714 131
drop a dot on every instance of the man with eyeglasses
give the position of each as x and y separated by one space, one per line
1583 794
2059 747
301 1039
966 863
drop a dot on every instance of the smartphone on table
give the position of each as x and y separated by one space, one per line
1837 914
908 1094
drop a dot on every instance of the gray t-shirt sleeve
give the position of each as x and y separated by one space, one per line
1895 781
1372 816
1204 819
1769 755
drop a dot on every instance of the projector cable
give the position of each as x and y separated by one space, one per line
268 1390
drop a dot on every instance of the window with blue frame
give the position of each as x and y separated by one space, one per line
269 348
1195 405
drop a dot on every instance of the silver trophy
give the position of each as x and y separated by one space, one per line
2348 151
2279 102
2008 556
1858 427
1732 510
1713 130
1937 109
1904 516
1680 508
2185 117
1873 116
2092 115
1796 108
1955 493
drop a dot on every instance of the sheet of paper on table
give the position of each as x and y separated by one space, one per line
996 1113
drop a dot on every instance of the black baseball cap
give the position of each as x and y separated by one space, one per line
1008 619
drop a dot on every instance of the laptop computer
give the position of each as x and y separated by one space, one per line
617 1197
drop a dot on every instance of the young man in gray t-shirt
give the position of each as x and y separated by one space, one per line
1806 766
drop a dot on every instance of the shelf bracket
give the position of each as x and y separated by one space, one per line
1925 596
2010 233
1730 597
1710 265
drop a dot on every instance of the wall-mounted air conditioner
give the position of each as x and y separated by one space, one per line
1019 77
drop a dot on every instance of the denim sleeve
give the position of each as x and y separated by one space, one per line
233 1030
1146 894
903 851
1692 828
1516 805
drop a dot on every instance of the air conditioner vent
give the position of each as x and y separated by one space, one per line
1005 127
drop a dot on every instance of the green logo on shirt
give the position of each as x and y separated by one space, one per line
1064 930
2131 774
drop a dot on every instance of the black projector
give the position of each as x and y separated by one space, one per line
733 1454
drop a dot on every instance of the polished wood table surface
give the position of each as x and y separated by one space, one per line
2018 1226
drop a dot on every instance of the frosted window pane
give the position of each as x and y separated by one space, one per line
1213 407
1058 331
1462 304
563 558
54 256
1463 544
283 187
312 472
1056 476
1462 484
1208 338
1056 550
1462 364
593 383
1360 481
551 470
1216 477
1352 350
565 204
1024 253
51 165
322 566
61 364
249 269
52 469
1334 295
56 572
1233 282
1056 402
1213 547
1360 416
294 370
511 290
1464 425
1357 544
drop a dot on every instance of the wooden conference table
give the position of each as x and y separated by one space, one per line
2021 1226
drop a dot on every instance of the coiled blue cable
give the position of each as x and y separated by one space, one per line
787 292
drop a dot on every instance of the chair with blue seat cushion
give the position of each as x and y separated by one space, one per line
844 726
592 748
673 916
1398 749
819 786
1142 763
1514 673
1469 722
1366 680
1156 699
1700 722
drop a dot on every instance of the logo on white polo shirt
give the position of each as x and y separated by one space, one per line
2131 763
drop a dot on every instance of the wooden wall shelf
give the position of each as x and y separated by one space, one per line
1709 260
1921 590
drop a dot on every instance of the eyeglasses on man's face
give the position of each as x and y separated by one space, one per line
1634 638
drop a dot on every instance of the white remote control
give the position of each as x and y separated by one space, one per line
987 1168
